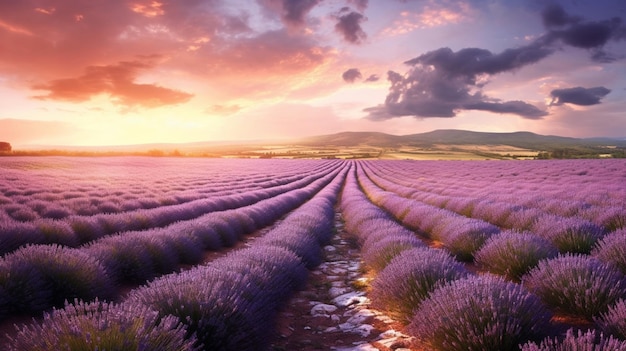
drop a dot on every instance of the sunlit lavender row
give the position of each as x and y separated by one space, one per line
188 203
507 193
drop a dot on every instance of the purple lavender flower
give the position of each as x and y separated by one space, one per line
290 236
221 307
57 232
463 236
522 219
16 234
568 234
60 273
377 252
408 279
613 321
578 285
86 229
612 249
590 340
513 254
492 211
479 313
103 326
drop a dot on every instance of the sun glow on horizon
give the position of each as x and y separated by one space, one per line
150 71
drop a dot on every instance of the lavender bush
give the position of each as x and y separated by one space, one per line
464 236
479 313
408 279
611 218
492 211
15 235
575 284
612 249
103 326
57 232
571 234
289 236
378 253
54 274
587 341
222 308
22 213
613 321
522 219
22 288
274 269
125 260
86 229
513 254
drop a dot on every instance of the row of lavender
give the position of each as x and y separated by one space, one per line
511 194
568 234
228 304
451 309
37 277
58 187
76 230
542 234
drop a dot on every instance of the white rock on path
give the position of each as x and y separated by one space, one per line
351 298
323 310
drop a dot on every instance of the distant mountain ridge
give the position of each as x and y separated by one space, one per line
527 140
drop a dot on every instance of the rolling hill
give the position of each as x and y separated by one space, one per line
456 137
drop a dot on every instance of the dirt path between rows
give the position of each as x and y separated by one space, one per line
332 312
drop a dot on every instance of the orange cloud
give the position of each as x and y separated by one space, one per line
115 80
430 16
74 49
153 9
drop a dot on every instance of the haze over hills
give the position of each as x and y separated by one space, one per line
375 145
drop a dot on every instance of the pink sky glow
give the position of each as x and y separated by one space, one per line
107 72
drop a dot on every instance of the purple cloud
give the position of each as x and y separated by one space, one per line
349 26
574 31
442 82
578 96
373 78
352 75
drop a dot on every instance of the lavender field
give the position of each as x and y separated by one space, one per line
139 253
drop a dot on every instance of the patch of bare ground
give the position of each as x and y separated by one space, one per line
333 312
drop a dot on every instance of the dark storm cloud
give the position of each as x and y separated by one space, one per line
578 96
589 35
442 82
352 75
575 31
555 15
471 62
349 26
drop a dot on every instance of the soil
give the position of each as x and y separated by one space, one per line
332 312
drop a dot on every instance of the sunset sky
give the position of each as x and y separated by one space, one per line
104 72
